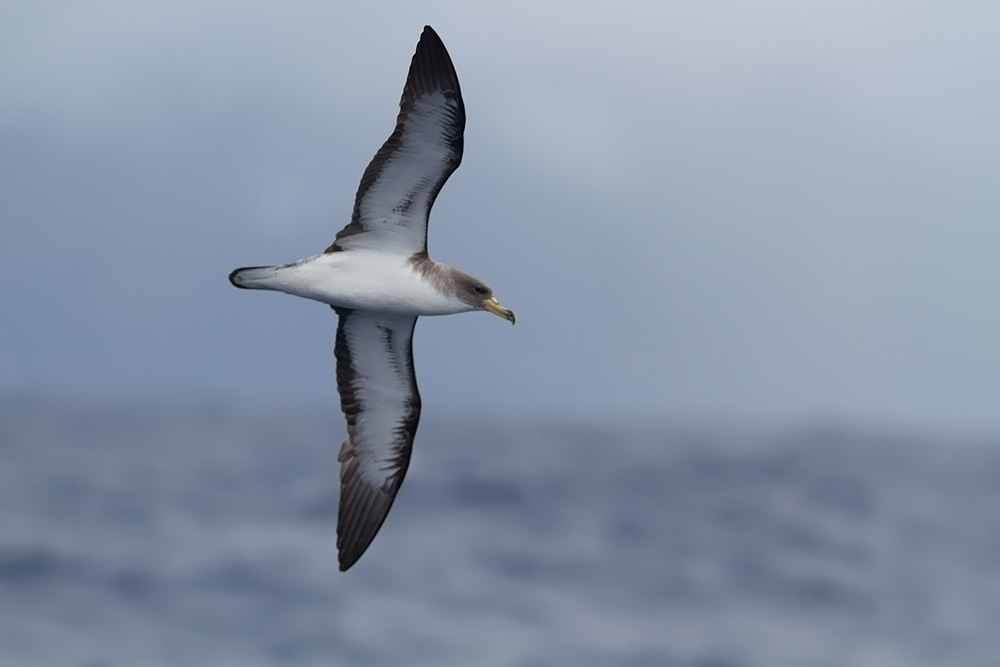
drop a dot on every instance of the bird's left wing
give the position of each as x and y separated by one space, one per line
379 398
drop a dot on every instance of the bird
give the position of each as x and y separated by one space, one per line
378 278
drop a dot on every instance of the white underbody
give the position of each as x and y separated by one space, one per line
357 279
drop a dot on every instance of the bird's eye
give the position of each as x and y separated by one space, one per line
479 289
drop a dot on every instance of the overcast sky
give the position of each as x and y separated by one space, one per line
777 211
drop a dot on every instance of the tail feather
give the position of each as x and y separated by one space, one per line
253 277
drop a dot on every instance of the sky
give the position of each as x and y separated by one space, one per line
773 211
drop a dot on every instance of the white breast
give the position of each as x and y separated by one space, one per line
365 280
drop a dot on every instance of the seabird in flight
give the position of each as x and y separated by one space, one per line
379 279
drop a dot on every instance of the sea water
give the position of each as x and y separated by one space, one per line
155 535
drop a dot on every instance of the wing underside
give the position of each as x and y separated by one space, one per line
398 188
381 403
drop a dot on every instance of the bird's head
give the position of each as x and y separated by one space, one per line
478 294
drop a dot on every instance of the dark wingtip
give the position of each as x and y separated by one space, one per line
349 554
232 278
345 564
430 35
362 511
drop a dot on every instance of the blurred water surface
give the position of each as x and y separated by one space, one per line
154 535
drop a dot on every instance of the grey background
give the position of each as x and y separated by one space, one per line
747 416
774 212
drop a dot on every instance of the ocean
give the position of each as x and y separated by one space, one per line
163 534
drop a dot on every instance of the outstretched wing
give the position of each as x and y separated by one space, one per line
402 181
379 398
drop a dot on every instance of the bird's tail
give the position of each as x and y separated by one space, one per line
254 277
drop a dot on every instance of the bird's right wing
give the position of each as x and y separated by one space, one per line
402 181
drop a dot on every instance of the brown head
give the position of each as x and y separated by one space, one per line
478 295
